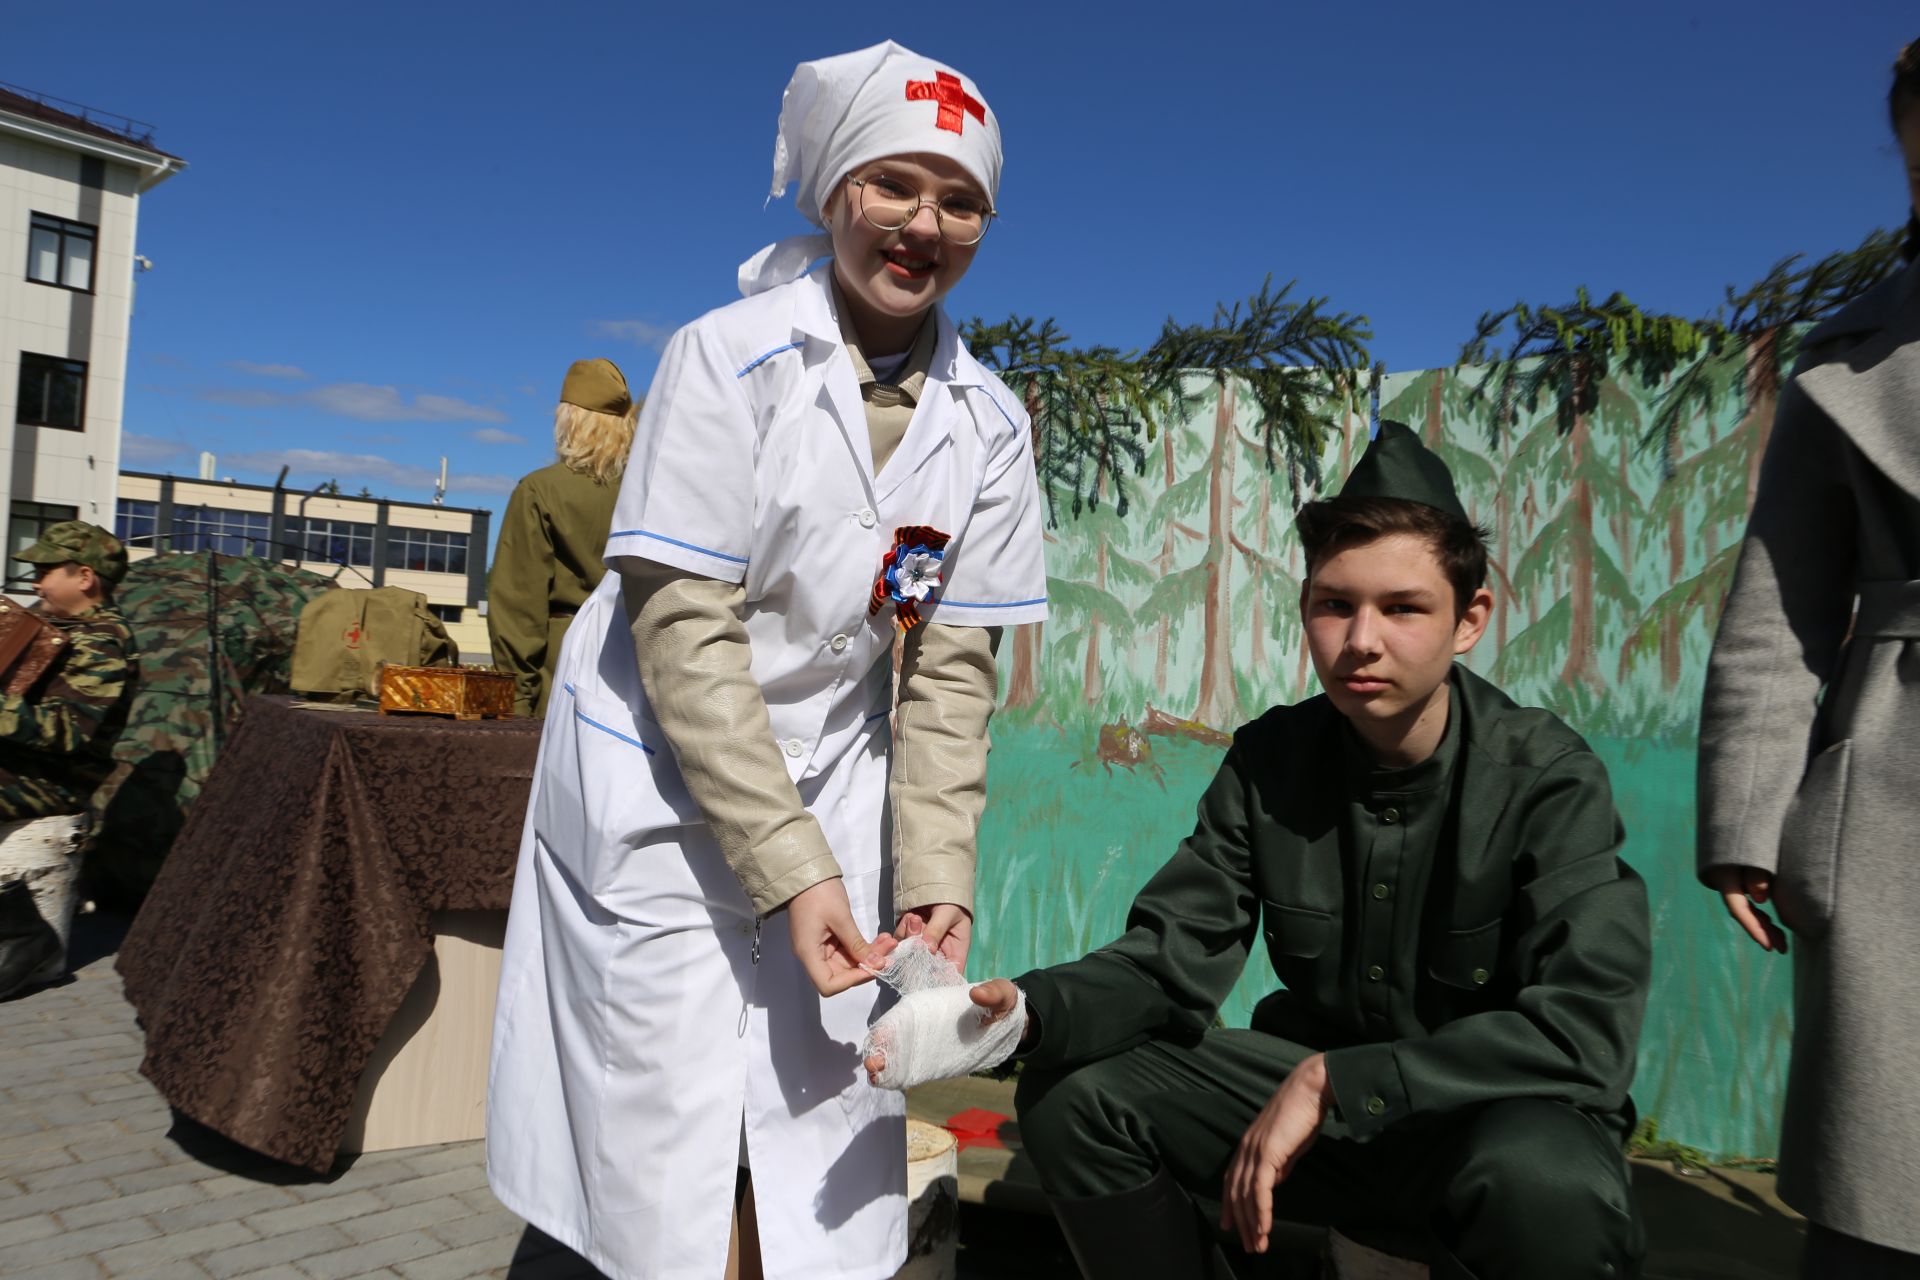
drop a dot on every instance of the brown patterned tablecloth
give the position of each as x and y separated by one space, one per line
293 914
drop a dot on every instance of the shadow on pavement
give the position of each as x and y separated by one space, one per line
96 935
218 1151
539 1256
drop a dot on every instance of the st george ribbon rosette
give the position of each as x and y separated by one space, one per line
909 573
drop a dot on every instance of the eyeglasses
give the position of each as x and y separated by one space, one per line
890 205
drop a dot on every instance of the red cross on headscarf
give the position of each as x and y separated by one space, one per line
956 104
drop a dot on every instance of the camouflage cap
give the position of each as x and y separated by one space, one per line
597 385
77 542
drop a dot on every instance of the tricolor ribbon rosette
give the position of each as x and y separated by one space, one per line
909 573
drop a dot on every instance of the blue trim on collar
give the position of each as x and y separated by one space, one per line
1003 411
763 357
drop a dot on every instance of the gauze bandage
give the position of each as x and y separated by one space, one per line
936 1032
912 966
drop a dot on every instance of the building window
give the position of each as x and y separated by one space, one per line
446 612
53 392
332 541
431 550
136 523
233 533
26 521
60 252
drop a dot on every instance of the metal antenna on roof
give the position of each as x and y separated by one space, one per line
440 486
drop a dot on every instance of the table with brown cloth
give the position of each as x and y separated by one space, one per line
294 912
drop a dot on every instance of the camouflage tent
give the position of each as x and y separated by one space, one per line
211 630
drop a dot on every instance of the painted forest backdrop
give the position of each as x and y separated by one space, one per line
1612 454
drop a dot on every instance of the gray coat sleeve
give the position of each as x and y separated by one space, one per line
1780 637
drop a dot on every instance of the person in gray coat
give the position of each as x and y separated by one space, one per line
1810 765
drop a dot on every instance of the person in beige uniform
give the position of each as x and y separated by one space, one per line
555 530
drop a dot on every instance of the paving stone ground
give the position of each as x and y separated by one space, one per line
99 1180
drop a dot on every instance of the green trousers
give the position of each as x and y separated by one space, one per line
1517 1189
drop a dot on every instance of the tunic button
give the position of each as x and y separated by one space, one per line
1375 973
1376 1106
795 747
1389 816
1382 892
1480 977
839 644
867 518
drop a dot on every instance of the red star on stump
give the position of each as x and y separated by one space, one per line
956 104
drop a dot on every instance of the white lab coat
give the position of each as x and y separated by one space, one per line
635 1028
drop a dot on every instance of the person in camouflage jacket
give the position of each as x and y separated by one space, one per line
56 740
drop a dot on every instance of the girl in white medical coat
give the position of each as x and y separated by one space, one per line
724 811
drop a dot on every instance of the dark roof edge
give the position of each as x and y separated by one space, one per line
14 102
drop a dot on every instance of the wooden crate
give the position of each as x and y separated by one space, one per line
465 693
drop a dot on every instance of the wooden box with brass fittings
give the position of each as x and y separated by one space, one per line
465 693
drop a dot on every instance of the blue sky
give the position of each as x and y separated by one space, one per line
401 222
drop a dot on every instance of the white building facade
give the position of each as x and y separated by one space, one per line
70 188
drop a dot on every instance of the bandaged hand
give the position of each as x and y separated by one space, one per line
941 1028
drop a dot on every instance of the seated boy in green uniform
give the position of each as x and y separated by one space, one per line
1435 874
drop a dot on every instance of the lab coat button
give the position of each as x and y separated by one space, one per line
839 644
867 518
795 747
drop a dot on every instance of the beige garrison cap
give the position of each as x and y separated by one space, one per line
597 385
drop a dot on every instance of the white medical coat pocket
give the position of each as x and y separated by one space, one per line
609 781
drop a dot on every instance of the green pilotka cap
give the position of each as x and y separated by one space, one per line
597 385
1397 465
77 542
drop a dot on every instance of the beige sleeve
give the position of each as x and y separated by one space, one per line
948 685
695 664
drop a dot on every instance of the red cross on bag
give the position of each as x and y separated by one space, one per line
956 104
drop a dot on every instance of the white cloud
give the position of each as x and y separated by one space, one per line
248 397
370 469
293 372
385 404
138 448
494 435
641 333
361 400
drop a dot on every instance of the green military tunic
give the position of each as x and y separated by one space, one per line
56 740
546 564
1460 938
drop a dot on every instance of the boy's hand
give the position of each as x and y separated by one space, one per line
1742 888
999 998
1283 1132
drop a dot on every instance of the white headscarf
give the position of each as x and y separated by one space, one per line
839 113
